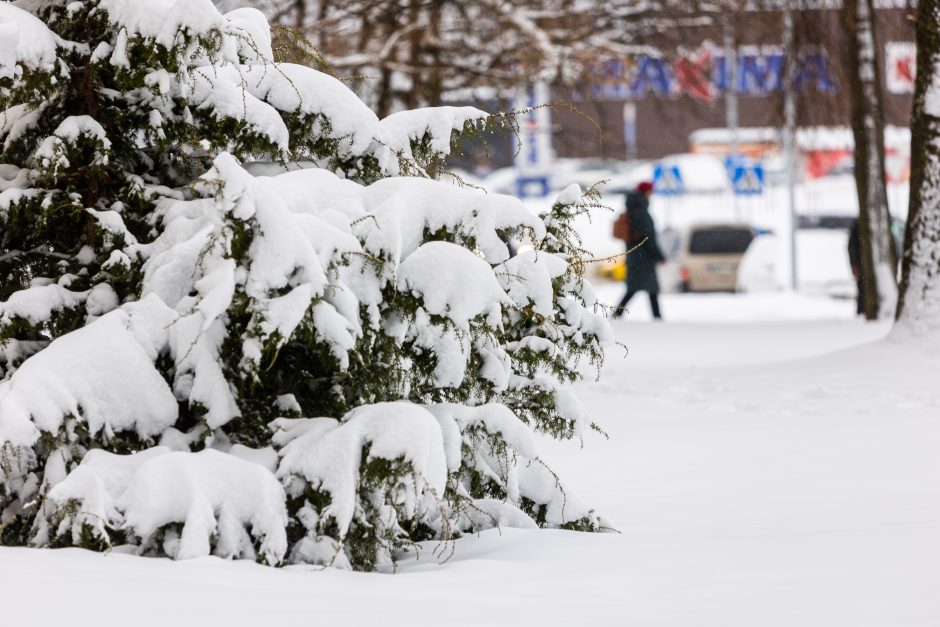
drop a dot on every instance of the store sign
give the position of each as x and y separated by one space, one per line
704 74
900 66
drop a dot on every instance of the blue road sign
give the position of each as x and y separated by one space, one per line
534 148
532 186
733 162
667 180
748 180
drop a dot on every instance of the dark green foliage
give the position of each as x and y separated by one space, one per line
94 195
51 232
383 524
87 537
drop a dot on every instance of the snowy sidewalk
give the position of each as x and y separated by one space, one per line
796 492
758 478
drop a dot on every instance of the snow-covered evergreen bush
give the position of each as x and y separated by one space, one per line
238 315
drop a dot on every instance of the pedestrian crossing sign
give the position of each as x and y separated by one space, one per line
748 180
667 180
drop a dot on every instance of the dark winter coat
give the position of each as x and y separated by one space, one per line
641 263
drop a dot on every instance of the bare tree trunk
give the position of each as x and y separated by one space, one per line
413 97
386 95
300 14
919 304
436 79
878 256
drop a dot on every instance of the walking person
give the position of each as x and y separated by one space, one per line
643 252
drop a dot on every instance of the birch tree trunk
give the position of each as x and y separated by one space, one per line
879 260
919 304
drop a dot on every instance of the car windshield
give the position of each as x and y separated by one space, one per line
720 241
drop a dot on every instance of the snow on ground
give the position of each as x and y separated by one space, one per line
777 469
753 328
728 307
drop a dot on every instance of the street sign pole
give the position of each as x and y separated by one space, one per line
731 94
789 132
629 130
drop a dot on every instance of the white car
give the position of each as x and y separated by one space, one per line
822 263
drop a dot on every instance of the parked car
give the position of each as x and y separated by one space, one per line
842 222
822 264
822 257
709 255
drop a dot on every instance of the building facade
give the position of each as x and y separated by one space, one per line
649 105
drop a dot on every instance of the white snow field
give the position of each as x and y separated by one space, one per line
780 469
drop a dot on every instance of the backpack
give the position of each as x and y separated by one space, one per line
622 227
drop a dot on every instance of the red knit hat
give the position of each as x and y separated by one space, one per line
645 187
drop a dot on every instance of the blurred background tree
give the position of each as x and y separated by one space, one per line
408 53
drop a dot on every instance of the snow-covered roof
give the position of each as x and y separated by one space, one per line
723 135
807 138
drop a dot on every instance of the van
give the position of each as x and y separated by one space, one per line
710 254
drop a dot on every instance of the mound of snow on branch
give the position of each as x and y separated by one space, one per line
226 506
25 39
103 375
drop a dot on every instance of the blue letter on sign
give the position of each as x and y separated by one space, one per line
814 69
652 75
760 75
